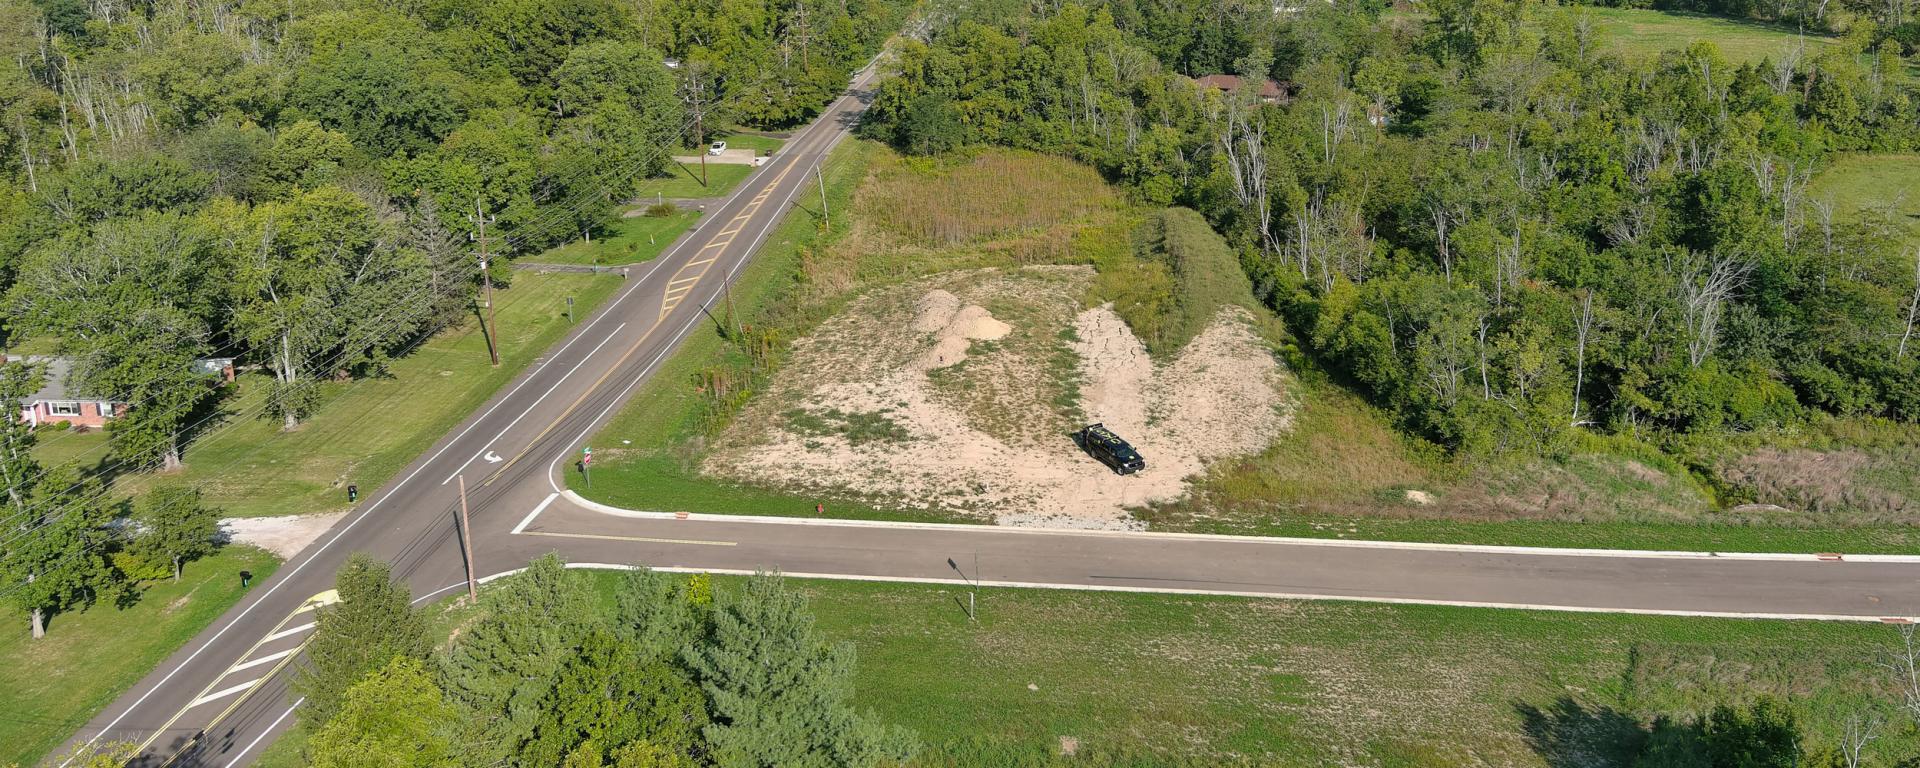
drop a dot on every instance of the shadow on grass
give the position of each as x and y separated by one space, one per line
1570 734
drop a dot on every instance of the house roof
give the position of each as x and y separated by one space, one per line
56 370
1268 89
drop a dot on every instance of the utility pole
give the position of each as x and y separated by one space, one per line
824 214
699 129
466 541
480 220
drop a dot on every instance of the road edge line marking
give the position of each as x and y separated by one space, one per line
1492 549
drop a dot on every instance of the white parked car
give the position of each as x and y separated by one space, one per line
717 148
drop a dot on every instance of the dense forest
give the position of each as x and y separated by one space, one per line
302 186
1482 217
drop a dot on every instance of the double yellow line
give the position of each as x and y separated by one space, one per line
314 603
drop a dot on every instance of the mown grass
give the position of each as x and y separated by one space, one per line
1640 33
1858 182
1220 680
683 181
49 688
763 144
366 431
633 239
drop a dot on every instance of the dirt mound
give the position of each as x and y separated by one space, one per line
967 325
992 437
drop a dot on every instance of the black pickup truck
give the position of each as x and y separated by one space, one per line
1112 451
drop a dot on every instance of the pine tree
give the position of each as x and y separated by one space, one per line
660 614
607 696
372 624
499 671
394 718
779 691
176 526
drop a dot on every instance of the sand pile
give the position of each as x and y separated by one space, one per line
891 356
961 327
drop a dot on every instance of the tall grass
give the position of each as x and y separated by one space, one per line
991 195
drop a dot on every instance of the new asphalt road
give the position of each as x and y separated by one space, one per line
220 699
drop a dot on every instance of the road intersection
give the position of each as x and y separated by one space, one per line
217 701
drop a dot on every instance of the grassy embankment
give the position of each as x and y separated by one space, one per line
1172 680
52 686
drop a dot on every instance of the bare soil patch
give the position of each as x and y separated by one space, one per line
959 393
284 536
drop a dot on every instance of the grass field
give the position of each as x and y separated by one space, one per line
1637 33
1855 183
765 145
366 430
1213 681
51 687
683 181
634 239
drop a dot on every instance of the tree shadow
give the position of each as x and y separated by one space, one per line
1569 734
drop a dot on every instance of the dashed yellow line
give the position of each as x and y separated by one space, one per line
667 305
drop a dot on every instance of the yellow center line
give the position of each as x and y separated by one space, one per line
643 539
668 304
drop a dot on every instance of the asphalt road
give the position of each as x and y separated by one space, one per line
221 698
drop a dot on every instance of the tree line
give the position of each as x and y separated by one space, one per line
302 186
1492 223
675 675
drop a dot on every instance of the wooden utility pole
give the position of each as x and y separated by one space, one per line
828 217
466 540
699 129
480 220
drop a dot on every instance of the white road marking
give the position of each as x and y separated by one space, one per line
528 520
262 660
537 401
492 458
1648 554
223 693
242 754
288 632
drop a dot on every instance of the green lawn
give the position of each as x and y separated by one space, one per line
634 239
1638 33
1214 680
765 145
368 430
1287 683
1856 182
51 687
683 181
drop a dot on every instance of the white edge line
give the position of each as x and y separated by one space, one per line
242 754
1655 554
535 404
528 520
315 554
